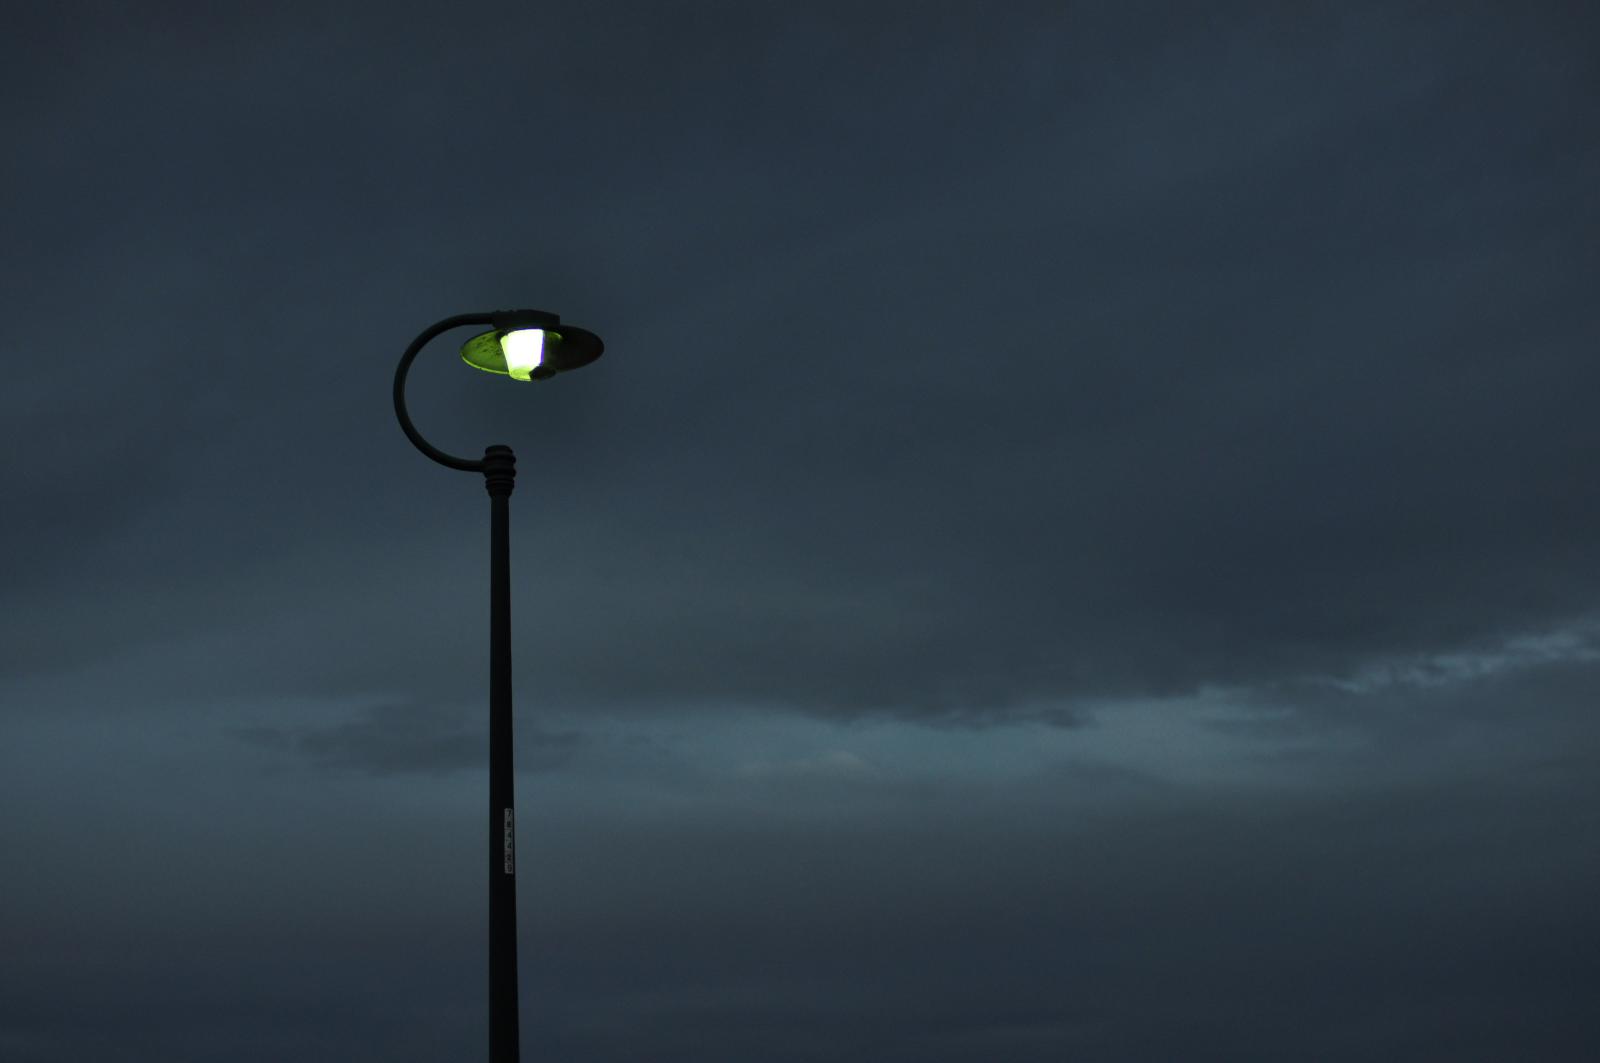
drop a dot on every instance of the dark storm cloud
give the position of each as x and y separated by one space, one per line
1255 351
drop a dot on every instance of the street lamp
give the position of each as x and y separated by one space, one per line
524 345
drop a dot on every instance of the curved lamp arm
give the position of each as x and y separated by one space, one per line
450 460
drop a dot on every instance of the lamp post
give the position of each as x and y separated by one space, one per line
524 345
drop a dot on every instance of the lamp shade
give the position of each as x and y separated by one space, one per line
531 345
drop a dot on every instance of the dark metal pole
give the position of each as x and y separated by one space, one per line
578 347
499 474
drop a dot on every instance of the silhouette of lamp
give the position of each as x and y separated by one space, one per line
524 345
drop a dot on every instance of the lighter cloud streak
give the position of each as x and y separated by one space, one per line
1574 645
834 762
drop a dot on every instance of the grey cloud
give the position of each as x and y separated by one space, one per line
1302 390
407 738
874 912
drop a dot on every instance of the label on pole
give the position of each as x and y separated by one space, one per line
507 835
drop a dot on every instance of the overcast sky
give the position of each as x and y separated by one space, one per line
1081 545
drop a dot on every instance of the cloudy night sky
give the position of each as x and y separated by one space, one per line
1082 545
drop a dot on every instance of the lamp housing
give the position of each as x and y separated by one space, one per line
530 345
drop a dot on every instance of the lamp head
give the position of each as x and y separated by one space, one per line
530 345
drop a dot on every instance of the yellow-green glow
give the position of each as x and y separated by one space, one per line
524 350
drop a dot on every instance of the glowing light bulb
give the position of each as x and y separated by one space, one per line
524 351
